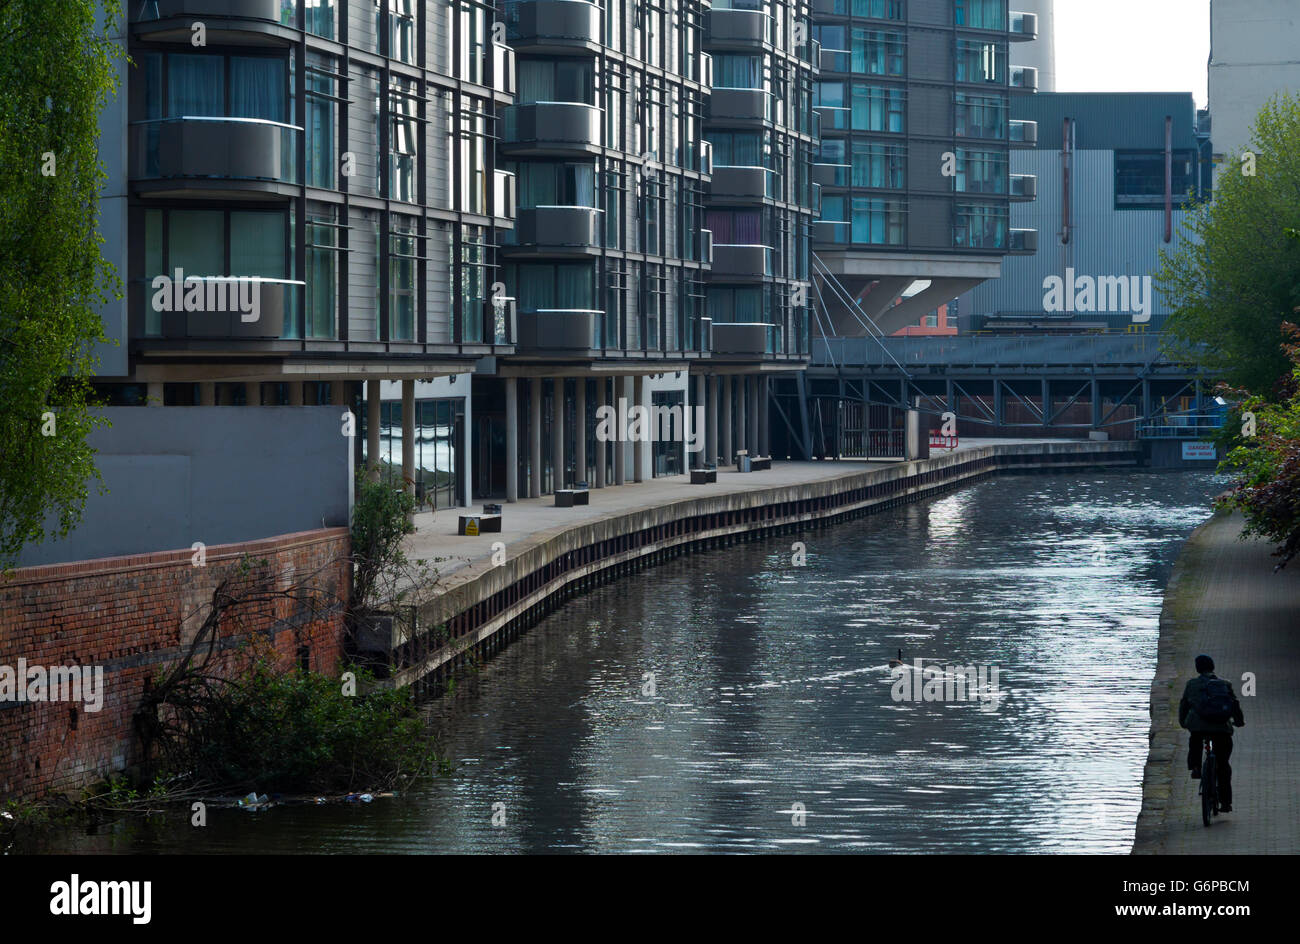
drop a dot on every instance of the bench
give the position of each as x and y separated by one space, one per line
704 476
479 524
568 497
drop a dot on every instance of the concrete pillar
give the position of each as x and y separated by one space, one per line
620 444
408 433
207 393
580 429
640 448
512 439
535 438
724 425
711 420
701 456
557 436
765 419
602 448
751 394
742 425
338 393
372 430
295 392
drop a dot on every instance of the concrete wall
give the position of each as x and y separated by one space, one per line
1254 54
113 214
177 475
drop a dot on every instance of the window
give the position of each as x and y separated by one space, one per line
878 222
733 71
555 184
564 285
322 275
879 165
319 17
556 81
735 227
401 36
877 53
879 9
737 149
403 144
735 305
980 226
474 283
1140 178
980 172
320 92
981 116
402 268
876 108
981 62
980 14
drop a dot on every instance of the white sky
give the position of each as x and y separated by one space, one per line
1132 46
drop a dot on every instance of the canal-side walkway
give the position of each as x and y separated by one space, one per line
435 537
1225 600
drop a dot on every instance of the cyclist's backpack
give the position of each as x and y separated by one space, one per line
1215 701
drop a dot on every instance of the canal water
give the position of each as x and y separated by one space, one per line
735 701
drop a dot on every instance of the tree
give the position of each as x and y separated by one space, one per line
57 71
1236 279
1267 460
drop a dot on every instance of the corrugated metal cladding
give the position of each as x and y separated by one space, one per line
1104 241
1110 120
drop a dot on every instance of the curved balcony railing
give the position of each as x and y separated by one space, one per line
1023 242
1024 187
739 27
1022 133
744 338
750 183
830 231
226 20
832 175
546 330
741 104
1023 28
192 146
552 127
225 314
1024 78
535 23
741 261
561 227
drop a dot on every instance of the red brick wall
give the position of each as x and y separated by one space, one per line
131 615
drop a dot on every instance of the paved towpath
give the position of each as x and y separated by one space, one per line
1225 600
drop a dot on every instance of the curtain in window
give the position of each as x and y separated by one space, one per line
194 85
573 286
583 184
748 227
738 72
257 243
321 284
748 304
196 242
536 81
257 88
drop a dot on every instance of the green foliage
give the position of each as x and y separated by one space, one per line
1237 277
296 731
55 77
1267 464
381 519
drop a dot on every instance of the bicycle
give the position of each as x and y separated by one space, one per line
1209 783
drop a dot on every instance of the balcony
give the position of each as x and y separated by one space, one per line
706 246
552 128
741 338
730 104
739 28
205 151
559 330
834 60
559 230
499 321
834 117
550 25
830 231
832 175
1024 78
741 263
1024 187
275 297
227 21
743 183
504 196
1022 242
1023 133
706 158
1023 28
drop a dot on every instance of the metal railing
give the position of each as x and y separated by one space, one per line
1102 350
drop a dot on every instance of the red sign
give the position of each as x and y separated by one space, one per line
940 441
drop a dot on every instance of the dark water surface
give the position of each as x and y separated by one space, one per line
771 689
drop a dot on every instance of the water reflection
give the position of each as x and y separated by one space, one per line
770 689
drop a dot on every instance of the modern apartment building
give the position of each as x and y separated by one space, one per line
338 160
914 163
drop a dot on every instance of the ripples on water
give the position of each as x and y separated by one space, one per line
772 689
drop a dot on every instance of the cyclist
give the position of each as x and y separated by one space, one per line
1208 710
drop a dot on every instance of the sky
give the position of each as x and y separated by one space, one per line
1132 46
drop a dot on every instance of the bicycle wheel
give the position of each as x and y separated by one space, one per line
1209 790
